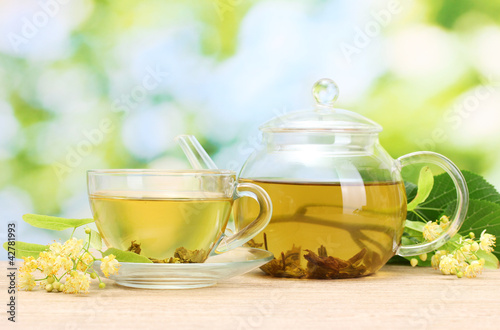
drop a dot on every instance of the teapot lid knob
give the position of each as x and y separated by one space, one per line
325 92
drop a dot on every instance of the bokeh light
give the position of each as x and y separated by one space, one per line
109 84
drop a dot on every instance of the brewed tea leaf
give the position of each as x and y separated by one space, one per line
126 256
170 260
135 247
253 244
287 265
190 256
23 249
425 184
322 266
54 223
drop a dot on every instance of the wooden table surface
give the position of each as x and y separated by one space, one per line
396 297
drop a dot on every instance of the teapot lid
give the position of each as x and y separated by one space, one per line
324 116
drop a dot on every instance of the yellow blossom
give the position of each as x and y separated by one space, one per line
29 265
77 282
487 241
474 247
84 262
26 281
462 266
444 222
464 253
436 258
56 248
63 263
47 263
109 265
72 247
473 269
448 265
413 262
431 231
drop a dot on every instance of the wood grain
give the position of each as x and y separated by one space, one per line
396 297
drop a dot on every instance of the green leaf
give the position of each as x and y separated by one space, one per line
491 259
413 232
409 239
425 184
411 190
126 256
480 216
95 239
54 223
415 225
444 195
451 245
398 260
23 249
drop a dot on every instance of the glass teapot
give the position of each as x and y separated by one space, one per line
339 200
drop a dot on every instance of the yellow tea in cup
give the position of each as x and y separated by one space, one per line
160 225
172 216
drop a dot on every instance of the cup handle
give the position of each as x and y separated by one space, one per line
244 235
462 200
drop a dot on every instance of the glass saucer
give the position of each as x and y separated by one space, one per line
188 276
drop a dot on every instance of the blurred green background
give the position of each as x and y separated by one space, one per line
108 84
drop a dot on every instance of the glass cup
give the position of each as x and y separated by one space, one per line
180 216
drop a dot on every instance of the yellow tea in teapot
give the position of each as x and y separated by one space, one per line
160 226
321 230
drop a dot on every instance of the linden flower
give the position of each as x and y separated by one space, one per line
76 283
436 258
47 263
444 222
448 265
56 248
464 253
29 265
109 265
63 263
72 247
432 231
84 262
463 266
459 255
26 281
487 241
473 269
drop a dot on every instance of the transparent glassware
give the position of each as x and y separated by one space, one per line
336 193
166 210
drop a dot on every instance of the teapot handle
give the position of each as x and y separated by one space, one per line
462 200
